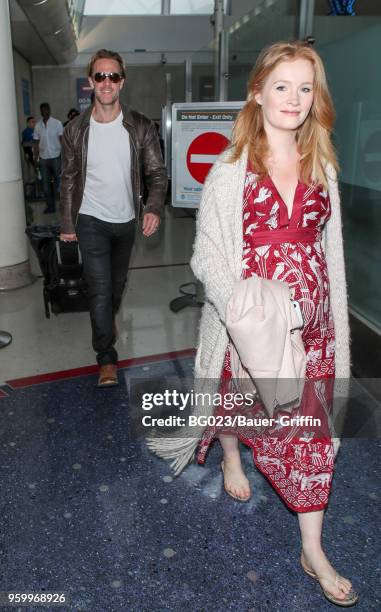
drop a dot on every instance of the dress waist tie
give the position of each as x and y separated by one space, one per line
279 236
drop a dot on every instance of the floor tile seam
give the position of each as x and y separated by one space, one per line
37 379
367 392
171 265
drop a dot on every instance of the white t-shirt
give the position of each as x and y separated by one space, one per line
48 134
108 190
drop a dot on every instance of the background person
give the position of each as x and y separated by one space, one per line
47 139
73 112
27 145
121 154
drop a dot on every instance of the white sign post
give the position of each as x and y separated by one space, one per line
200 132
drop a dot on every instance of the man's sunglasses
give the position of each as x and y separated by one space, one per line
115 77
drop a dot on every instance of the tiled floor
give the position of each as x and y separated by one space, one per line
85 508
146 325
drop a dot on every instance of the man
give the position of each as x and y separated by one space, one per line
73 112
47 137
107 152
27 145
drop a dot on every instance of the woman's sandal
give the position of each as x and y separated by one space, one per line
232 494
351 598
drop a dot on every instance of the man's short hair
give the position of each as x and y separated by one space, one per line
29 118
44 105
105 54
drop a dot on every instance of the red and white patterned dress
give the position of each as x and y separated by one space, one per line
298 461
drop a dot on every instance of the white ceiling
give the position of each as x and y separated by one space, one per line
25 38
177 36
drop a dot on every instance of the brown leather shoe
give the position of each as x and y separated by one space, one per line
108 376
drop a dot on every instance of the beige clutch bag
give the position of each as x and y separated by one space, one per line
268 348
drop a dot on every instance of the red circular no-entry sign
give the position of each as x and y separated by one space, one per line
203 152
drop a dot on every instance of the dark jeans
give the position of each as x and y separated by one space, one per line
106 249
50 169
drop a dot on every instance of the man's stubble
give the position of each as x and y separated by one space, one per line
110 102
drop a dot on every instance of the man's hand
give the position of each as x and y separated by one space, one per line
68 237
151 223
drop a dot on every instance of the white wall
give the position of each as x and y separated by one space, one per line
153 33
145 88
22 70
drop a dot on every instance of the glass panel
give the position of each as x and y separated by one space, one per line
76 11
268 22
203 75
121 7
351 49
189 7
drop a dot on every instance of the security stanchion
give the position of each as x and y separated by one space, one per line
194 299
5 339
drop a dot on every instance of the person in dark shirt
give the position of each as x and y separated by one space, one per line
27 144
73 112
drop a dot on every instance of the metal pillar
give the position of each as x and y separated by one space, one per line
188 80
222 60
14 262
223 66
167 115
165 7
306 18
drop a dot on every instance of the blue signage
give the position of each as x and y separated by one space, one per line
83 94
25 96
342 7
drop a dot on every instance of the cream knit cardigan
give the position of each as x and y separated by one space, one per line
217 263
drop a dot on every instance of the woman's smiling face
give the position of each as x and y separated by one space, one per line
287 94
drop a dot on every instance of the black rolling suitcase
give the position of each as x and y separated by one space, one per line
61 265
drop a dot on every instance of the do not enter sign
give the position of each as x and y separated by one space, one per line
201 131
203 152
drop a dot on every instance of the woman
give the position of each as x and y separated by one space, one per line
270 206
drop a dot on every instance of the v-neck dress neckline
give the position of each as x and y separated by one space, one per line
286 218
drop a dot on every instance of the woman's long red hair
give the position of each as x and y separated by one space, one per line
313 136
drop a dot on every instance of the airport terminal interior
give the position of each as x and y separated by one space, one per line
86 508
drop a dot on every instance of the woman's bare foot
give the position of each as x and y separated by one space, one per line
334 585
235 482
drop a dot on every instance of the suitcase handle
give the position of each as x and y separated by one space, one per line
58 251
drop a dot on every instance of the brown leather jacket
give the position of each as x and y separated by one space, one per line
147 166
